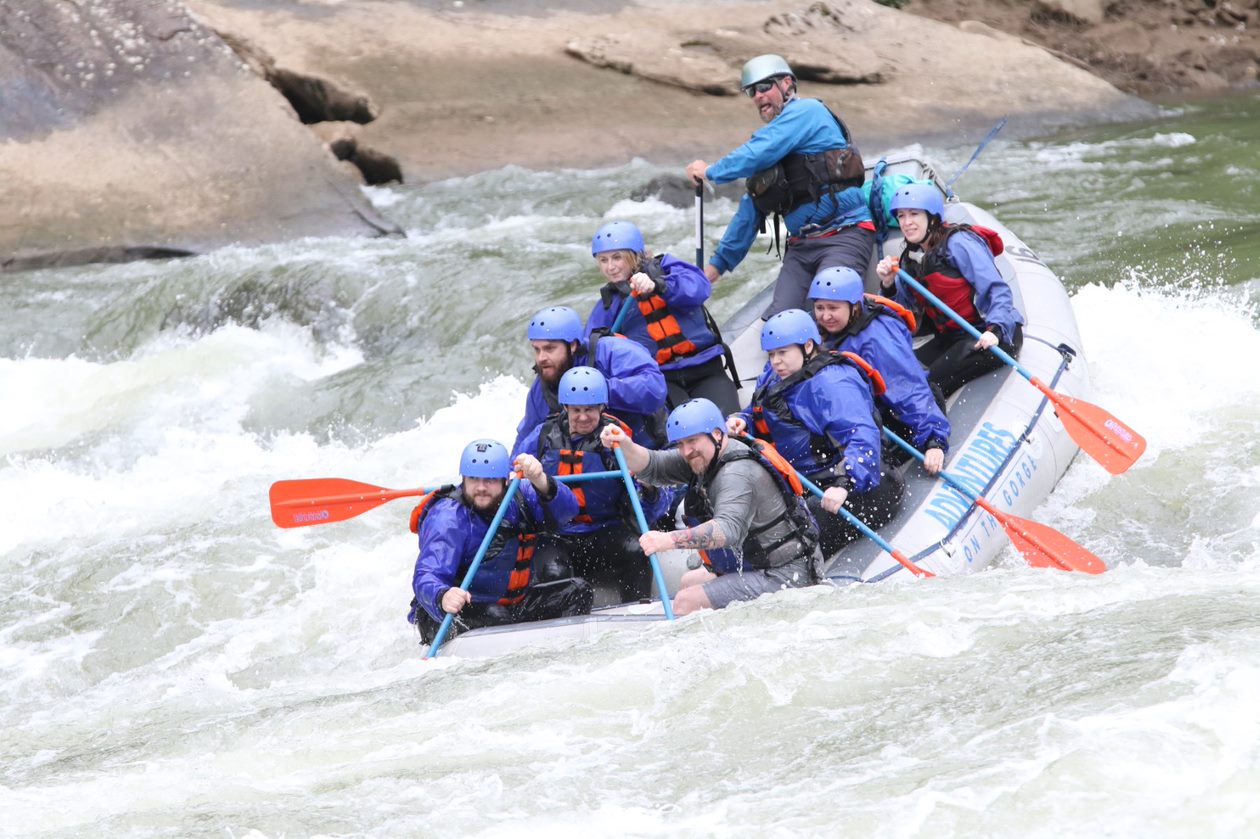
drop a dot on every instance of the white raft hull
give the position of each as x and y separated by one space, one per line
1006 444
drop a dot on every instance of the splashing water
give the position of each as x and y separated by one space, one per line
173 664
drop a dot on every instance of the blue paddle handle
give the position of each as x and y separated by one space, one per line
476 563
943 475
849 517
586 476
621 315
643 528
958 319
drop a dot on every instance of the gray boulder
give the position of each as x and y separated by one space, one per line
127 130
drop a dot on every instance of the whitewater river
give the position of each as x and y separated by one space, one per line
172 664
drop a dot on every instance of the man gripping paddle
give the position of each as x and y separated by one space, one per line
452 523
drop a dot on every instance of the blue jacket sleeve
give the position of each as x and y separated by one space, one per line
442 548
993 296
802 126
888 346
535 412
686 286
558 510
529 443
738 238
635 381
840 406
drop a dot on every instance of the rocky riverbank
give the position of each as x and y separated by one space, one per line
176 127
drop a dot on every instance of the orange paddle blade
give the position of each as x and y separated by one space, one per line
309 501
1042 546
1100 435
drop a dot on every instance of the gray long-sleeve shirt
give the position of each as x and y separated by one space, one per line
743 495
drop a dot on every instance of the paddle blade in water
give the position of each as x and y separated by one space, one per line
1045 547
309 501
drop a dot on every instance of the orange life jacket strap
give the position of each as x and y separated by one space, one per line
779 462
518 581
912 323
419 510
760 427
571 463
877 381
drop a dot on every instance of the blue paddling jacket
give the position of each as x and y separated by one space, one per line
804 126
880 336
822 419
675 308
451 531
601 503
636 390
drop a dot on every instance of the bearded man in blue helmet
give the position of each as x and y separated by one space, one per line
636 386
800 166
451 523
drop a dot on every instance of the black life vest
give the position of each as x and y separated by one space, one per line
525 530
940 274
800 178
757 548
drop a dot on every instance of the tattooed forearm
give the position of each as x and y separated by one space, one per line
702 537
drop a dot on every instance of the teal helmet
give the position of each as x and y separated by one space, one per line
763 67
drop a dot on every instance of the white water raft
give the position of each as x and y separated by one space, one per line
1006 445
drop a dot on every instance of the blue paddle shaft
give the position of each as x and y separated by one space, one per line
849 517
918 455
643 528
586 476
621 314
513 486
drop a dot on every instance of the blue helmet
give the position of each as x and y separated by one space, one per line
791 326
925 197
485 459
837 283
617 236
697 416
555 323
583 386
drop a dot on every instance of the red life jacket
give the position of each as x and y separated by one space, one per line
940 274
523 532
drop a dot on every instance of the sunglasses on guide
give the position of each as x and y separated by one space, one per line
760 87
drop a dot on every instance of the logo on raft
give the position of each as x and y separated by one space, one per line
305 517
974 468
